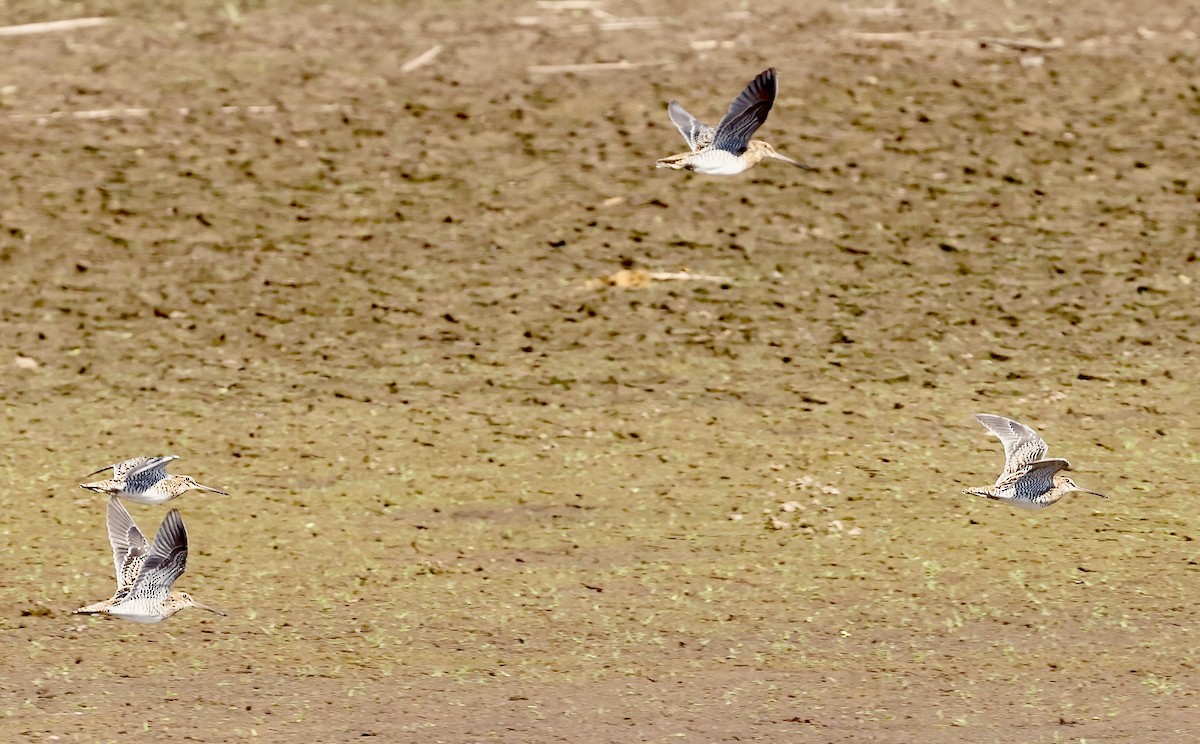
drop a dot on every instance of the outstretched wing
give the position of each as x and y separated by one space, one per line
696 133
122 469
148 473
1022 445
129 545
1039 478
166 562
747 113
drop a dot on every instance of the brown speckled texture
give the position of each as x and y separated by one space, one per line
476 497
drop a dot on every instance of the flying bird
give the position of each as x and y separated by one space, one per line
1028 480
145 573
728 150
147 482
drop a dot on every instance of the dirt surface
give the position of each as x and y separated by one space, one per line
480 494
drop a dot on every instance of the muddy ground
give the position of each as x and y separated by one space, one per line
477 494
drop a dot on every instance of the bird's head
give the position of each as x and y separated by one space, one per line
758 150
180 600
1069 484
183 599
107 487
188 483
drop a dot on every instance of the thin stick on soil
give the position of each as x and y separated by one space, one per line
137 113
570 5
886 10
888 36
931 38
26 29
632 278
113 113
1025 45
422 59
686 276
594 66
621 24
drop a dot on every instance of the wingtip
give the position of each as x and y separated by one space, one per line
116 510
985 418
173 530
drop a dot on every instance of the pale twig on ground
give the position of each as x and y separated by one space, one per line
113 113
1025 45
886 10
25 29
935 37
627 278
421 59
707 45
595 66
137 113
932 38
620 24
617 24
685 276
907 37
605 21
570 4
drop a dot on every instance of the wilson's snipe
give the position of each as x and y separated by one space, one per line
147 482
728 149
1027 480
145 573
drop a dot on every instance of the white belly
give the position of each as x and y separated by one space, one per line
718 163
131 611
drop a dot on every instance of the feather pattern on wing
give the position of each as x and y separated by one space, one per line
1038 479
149 473
165 563
122 468
696 133
129 545
747 113
1022 445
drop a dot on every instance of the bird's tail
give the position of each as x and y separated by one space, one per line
983 491
675 162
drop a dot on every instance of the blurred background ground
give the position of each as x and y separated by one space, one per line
479 494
